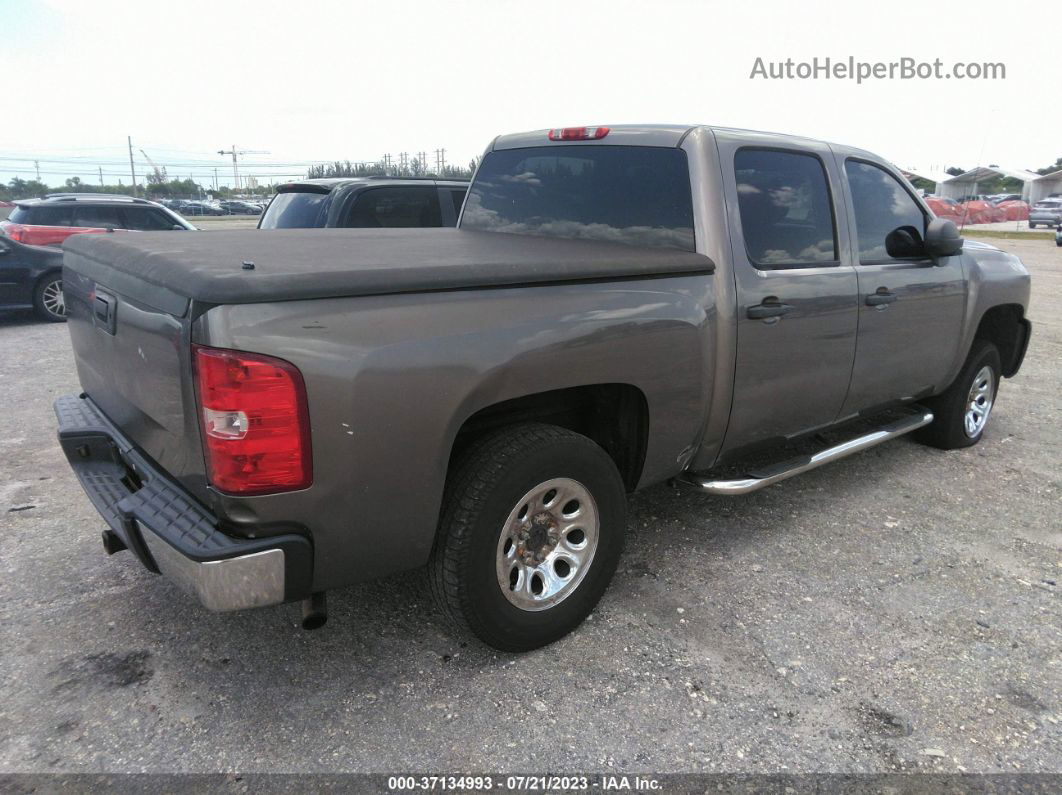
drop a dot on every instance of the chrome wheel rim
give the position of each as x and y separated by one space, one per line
52 298
979 401
547 544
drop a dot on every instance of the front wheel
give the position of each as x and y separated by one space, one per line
960 413
531 532
48 299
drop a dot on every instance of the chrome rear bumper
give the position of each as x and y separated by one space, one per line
169 530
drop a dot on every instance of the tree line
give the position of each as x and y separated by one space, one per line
19 188
412 168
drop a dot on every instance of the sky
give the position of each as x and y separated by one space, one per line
316 81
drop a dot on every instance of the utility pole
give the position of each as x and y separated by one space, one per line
403 160
101 176
423 158
215 180
132 168
37 165
440 160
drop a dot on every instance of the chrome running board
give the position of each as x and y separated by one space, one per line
767 476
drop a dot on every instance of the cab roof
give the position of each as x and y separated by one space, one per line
664 135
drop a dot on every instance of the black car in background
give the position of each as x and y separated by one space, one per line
32 276
195 207
236 207
373 202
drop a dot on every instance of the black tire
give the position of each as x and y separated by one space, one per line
44 301
948 430
1032 225
486 486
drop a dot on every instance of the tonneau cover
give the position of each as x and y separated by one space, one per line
292 264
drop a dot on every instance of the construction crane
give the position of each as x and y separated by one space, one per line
160 173
236 152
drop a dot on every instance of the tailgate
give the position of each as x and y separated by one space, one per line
132 351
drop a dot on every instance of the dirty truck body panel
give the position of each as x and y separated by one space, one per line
393 379
770 318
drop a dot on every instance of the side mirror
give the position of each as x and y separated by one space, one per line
942 238
904 242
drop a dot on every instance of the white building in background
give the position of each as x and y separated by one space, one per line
968 183
1045 185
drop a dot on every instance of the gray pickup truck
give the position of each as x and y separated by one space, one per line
268 415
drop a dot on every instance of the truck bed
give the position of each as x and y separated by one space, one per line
164 269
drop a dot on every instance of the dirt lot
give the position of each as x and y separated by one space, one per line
899 611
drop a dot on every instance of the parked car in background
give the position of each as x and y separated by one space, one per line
372 202
51 220
197 207
241 208
1058 235
32 276
999 198
1046 213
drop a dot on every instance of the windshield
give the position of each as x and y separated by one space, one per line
637 195
296 210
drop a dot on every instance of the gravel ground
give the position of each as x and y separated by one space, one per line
899 611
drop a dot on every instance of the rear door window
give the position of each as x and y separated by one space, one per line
296 210
785 207
395 208
637 195
86 215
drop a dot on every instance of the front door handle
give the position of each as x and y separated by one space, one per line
771 307
881 297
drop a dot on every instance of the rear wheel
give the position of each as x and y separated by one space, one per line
48 299
961 412
531 532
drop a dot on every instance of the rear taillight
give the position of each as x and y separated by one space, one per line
14 231
578 133
256 428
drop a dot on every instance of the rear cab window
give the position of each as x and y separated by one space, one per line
296 209
637 195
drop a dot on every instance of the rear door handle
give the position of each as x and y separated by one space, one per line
770 307
881 297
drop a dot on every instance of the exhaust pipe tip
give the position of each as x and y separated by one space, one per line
314 611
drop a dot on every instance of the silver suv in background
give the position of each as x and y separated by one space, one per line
1047 212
